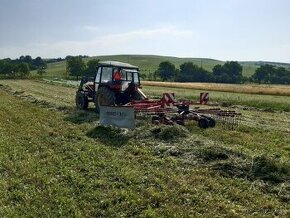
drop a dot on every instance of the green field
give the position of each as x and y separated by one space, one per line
149 63
56 161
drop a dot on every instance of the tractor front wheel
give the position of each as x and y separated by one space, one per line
82 101
104 96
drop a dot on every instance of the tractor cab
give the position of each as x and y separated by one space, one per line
115 83
116 76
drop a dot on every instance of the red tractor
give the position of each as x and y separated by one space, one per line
115 83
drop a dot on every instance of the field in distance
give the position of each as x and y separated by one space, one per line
282 90
149 63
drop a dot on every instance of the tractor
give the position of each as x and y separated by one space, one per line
115 83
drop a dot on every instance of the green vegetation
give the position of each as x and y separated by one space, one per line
240 100
230 72
191 69
148 64
150 69
70 166
21 67
271 75
192 73
75 66
166 71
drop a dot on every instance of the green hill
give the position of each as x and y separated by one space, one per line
149 63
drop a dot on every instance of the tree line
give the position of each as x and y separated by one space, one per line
21 66
229 72
75 66
270 74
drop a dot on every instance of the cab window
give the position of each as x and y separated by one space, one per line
97 80
107 74
136 78
129 76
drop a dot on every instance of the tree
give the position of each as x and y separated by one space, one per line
3 67
7 67
166 71
38 63
269 74
230 72
28 59
217 70
233 68
263 73
190 72
75 66
23 68
92 67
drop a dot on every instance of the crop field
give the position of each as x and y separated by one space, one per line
235 88
57 161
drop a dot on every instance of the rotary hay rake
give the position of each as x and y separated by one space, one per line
169 111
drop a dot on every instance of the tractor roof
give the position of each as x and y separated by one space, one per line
117 64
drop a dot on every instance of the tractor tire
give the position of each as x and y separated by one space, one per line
104 96
82 101
203 123
211 123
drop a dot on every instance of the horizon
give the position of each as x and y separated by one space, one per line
227 30
241 61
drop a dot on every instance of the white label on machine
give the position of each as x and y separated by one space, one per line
123 117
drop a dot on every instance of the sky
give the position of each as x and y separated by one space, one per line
240 30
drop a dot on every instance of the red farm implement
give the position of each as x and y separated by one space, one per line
169 111
118 84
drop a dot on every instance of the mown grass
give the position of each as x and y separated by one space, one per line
61 163
65 95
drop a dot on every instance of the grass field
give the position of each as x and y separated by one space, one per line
57 161
282 90
148 63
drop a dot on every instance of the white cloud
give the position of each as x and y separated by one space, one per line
151 41
166 40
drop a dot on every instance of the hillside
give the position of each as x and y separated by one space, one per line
149 63
146 63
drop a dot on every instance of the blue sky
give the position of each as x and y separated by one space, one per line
243 30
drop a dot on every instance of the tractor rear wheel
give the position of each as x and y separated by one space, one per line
104 96
82 101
